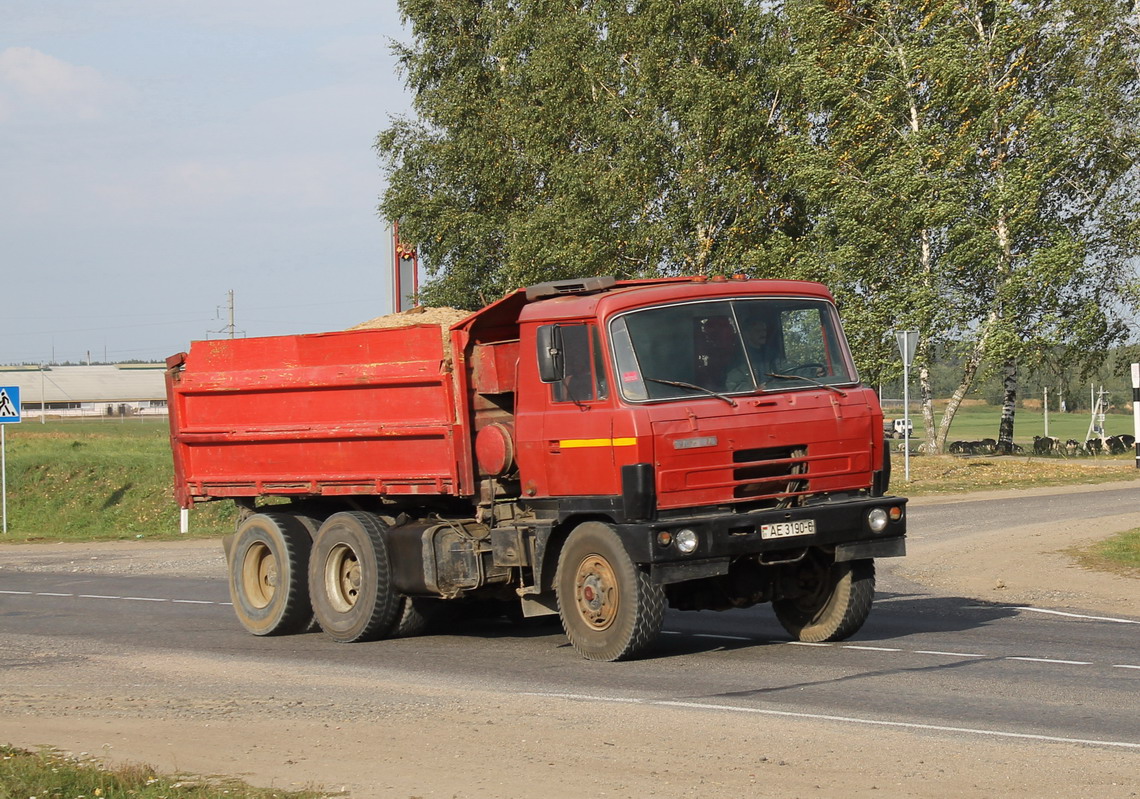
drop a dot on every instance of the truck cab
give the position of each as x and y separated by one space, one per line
716 432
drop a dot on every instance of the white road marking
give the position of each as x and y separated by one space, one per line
1076 615
843 719
872 648
948 654
124 598
1053 660
1125 666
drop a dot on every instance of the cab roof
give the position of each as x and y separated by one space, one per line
602 297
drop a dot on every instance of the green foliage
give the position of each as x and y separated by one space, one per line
967 169
97 480
956 144
557 139
49 774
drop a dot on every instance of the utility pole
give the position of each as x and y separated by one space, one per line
1045 407
230 330
230 297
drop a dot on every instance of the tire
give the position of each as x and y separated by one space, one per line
417 615
834 603
268 567
350 579
610 609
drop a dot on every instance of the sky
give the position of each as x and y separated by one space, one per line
156 155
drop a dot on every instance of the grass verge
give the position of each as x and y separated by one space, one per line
932 475
48 774
1119 554
95 481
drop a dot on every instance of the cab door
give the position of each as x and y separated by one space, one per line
578 419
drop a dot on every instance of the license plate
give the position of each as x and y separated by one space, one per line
788 529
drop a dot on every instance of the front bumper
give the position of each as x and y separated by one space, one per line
840 527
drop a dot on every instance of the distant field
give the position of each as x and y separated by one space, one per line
974 422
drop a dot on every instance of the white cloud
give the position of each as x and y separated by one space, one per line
35 83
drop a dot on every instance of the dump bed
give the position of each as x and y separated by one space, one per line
356 412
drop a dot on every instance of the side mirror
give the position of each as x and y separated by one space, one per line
550 361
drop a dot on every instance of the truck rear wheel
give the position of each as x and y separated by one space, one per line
268 562
610 609
350 579
833 603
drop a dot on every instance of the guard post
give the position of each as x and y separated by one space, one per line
1136 409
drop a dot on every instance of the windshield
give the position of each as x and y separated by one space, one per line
729 347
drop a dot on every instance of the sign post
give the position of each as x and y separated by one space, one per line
9 414
908 342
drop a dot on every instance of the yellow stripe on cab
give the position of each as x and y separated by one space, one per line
575 443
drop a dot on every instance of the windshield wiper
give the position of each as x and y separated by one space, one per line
694 387
840 392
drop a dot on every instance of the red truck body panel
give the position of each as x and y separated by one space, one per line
356 412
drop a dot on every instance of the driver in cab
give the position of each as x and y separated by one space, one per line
760 348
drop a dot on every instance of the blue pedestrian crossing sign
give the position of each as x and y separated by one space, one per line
9 404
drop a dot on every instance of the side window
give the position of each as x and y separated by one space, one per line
583 370
804 339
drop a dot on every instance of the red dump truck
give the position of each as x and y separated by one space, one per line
596 449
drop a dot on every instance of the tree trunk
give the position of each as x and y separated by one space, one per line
969 370
1008 406
926 394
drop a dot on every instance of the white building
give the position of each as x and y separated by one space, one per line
116 390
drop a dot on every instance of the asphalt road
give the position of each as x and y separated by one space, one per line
948 517
925 662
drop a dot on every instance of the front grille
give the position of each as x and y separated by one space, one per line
769 472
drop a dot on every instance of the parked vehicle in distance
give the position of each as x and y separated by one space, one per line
596 449
898 428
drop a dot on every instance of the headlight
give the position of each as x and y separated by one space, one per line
877 520
686 541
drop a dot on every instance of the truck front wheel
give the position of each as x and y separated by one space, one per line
268 561
350 579
829 602
610 609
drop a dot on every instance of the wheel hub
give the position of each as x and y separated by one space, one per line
596 592
259 575
342 578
